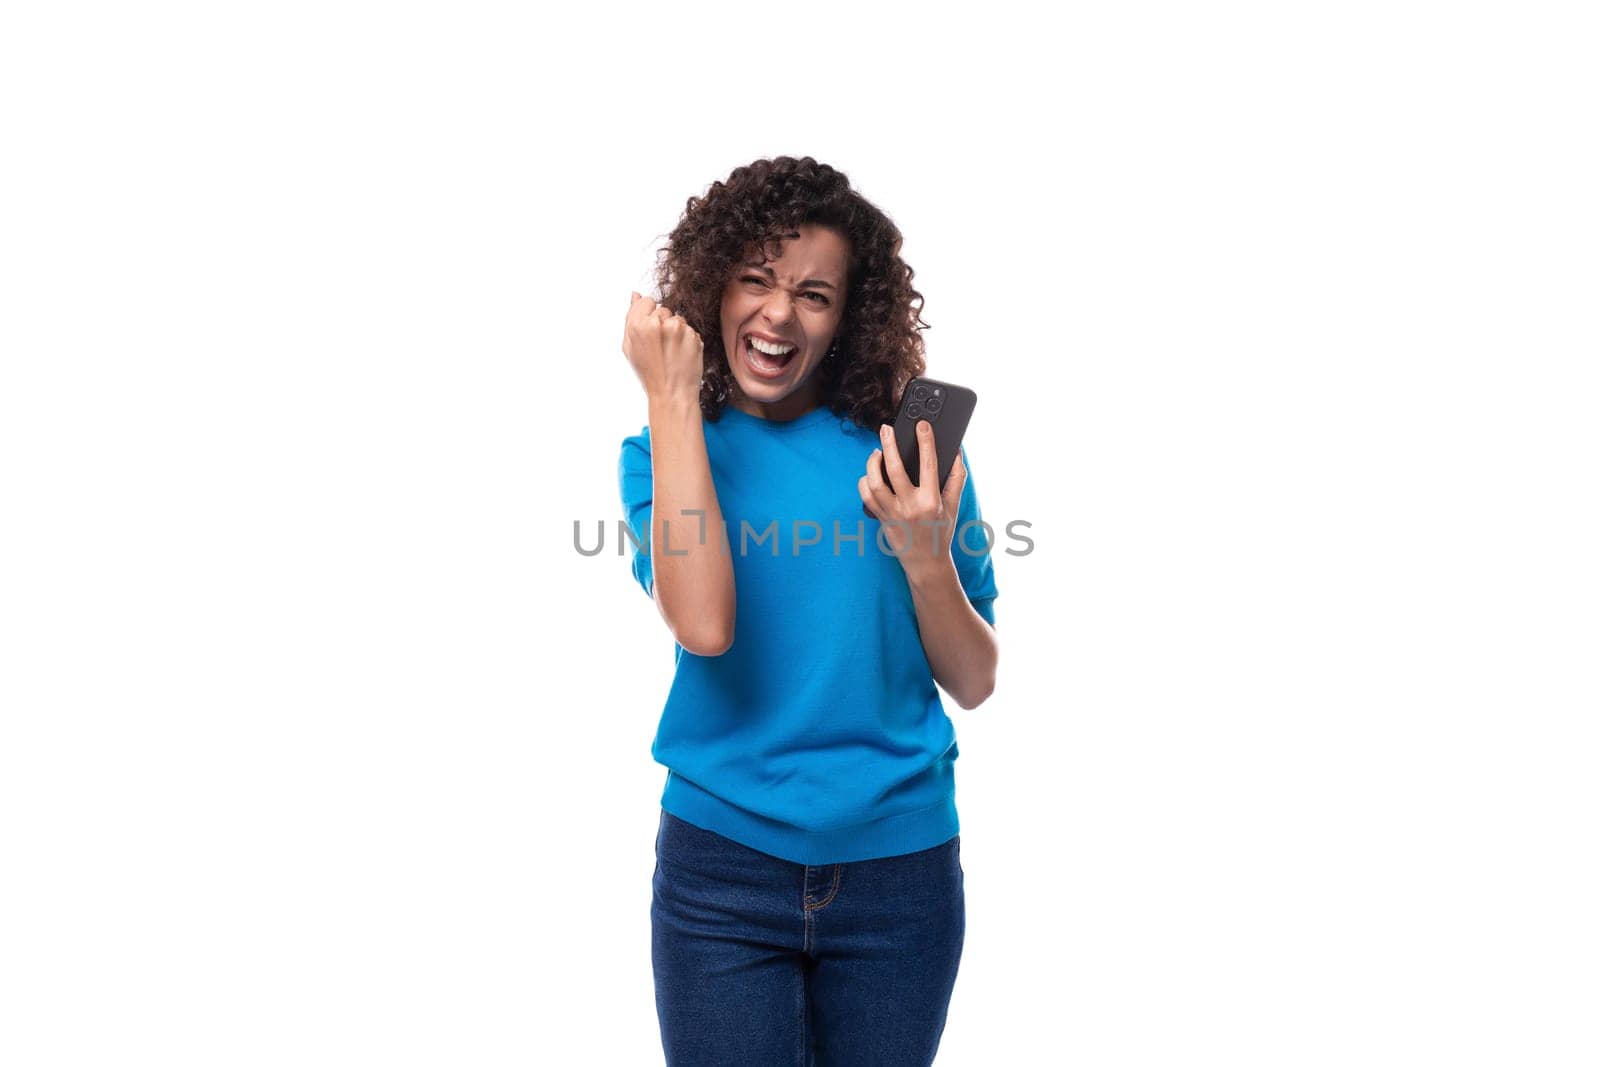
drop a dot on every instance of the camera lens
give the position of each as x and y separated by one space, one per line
915 410
919 391
934 403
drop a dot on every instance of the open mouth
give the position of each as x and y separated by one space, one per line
768 360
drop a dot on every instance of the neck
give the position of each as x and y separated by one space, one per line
790 407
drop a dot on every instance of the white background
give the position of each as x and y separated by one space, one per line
322 745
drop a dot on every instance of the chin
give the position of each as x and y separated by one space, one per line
762 389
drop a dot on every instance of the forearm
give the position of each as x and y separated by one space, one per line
693 574
961 646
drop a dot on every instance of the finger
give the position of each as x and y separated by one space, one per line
867 502
874 478
639 311
928 452
953 486
899 481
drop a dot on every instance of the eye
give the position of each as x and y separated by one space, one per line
822 301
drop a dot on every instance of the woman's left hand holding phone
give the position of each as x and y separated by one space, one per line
919 520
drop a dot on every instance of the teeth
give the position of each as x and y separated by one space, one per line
769 348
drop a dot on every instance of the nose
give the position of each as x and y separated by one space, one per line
779 308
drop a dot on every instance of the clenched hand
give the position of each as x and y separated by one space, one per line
665 351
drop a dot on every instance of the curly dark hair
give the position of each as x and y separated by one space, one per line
880 346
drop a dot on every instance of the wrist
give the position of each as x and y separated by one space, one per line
929 574
669 405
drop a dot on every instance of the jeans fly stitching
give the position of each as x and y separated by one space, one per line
833 892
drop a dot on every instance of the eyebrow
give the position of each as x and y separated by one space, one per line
813 283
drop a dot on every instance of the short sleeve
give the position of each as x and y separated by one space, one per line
972 549
635 481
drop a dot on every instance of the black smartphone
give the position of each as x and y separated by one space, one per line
948 408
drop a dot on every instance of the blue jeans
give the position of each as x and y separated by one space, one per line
761 962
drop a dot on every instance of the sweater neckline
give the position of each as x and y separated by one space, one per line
815 415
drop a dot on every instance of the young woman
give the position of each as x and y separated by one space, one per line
807 899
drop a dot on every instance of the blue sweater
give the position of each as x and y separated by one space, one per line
819 735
